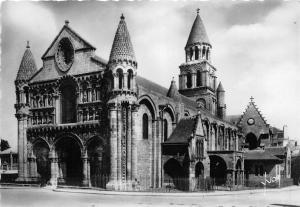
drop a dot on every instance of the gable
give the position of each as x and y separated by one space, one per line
252 121
84 58
78 42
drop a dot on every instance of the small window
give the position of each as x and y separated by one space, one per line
145 126
189 80
198 78
121 76
129 79
196 53
165 129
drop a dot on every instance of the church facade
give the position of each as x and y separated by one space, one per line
80 117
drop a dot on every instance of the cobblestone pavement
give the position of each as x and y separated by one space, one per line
26 196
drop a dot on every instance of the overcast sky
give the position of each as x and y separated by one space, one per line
255 47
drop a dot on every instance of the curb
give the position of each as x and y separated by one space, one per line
173 194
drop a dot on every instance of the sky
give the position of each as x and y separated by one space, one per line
255 47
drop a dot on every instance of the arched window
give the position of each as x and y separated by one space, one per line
191 53
121 76
198 78
68 103
129 79
189 80
26 91
207 52
203 52
165 129
196 53
145 126
201 103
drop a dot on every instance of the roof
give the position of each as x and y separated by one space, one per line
276 150
122 48
8 151
99 59
27 67
234 118
198 32
154 87
260 155
183 131
220 87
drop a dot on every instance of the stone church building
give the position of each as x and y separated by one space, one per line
81 117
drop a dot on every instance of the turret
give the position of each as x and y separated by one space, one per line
26 70
123 110
173 91
221 106
122 63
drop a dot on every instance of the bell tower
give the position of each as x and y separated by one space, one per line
121 73
197 78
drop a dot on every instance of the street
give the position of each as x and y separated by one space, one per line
46 197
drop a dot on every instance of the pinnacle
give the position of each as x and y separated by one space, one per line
220 87
198 33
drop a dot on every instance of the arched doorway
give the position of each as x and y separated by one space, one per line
252 141
41 152
199 175
69 161
175 172
68 101
218 169
98 163
238 172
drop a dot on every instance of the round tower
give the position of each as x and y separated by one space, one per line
122 104
221 106
26 70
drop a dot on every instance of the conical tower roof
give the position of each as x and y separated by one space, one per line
122 48
173 91
198 32
27 67
220 88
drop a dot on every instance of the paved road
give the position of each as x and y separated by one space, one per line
45 197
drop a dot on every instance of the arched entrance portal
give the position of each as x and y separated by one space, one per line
98 165
238 172
199 170
41 152
252 141
69 161
218 169
173 170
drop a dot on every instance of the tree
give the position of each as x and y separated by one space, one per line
4 145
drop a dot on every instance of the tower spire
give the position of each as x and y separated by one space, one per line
198 33
122 48
27 67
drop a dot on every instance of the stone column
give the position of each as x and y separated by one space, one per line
85 180
134 142
54 170
125 81
22 147
113 142
57 109
193 80
119 144
128 151
154 154
159 150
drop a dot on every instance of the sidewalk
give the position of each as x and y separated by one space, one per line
180 194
